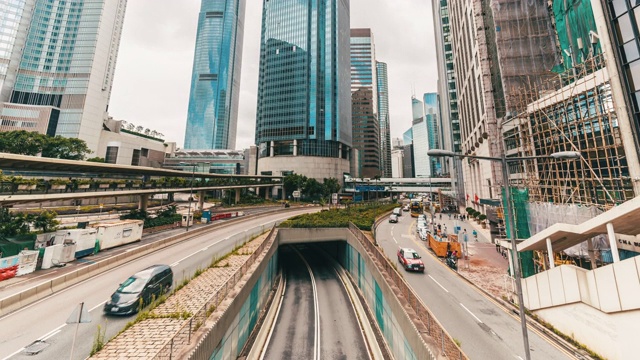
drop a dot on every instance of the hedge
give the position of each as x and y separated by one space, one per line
361 216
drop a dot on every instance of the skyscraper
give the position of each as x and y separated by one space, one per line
303 120
433 121
383 117
66 65
215 82
422 165
364 102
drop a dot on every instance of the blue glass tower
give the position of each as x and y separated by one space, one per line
215 82
304 100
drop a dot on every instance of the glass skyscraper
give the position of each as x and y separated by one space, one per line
304 102
434 128
383 117
422 165
364 103
66 65
215 82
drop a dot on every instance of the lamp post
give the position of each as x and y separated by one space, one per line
193 173
504 161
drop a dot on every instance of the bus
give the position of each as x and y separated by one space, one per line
416 208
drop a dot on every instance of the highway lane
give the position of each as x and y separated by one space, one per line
15 285
316 319
485 330
46 318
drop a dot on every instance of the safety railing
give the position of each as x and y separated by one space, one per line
424 320
184 335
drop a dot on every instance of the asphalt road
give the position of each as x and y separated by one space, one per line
484 329
45 319
316 319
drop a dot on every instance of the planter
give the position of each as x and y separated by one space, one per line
58 187
484 225
26 187
135 185
84 186
103 186
122 185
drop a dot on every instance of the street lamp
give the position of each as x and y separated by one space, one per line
562 155
193 173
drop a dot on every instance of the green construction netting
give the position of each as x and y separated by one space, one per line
519 199
13 245
574 20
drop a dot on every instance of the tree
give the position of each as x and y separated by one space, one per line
293 182
12 224
312 188
46 221
22 142
59 147
331 186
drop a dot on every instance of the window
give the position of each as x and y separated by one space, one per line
112 155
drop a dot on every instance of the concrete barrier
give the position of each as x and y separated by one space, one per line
16 301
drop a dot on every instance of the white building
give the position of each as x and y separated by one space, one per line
397 161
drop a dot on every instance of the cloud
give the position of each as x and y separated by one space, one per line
153 72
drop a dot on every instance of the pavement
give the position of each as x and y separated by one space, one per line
484 266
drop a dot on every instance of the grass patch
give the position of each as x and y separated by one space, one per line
362 216
98 340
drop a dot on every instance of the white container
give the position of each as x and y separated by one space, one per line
116 234
84 239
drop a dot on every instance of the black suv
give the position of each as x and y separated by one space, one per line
140 290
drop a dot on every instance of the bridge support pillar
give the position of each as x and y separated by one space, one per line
144 200
267 193
237 196
201 200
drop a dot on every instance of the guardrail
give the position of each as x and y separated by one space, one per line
184 334
424 320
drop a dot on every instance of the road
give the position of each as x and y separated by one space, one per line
316 319
484 329
45 319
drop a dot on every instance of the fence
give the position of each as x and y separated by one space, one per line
424 320
184 335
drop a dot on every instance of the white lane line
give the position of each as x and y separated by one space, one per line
316 308
394 239
15 353
201 250
472 314
52 332
97 306
275 320
436 281
517 357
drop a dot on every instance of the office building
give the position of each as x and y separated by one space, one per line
397 163
67 61
364 103
303 120
434 132
384 119
212 117
408 166
421 161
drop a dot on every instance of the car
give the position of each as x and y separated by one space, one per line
422 217
397 211
405 208
410 259
420 225
393 218
139 290
423 233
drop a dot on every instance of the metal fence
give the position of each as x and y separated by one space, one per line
184 336
422 318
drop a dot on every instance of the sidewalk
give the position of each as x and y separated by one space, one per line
485 267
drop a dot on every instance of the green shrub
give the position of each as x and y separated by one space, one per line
361 216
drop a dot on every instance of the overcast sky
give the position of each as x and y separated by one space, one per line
153 73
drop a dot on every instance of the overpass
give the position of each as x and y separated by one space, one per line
38 179
398 186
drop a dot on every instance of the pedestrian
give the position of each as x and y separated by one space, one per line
465 237
440 216
475 235
449 216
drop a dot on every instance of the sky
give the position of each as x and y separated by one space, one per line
153 72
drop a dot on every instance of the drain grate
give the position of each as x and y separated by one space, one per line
35 347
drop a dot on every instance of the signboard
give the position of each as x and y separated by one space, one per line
296 194
334 199
101 206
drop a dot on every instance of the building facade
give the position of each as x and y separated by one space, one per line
212 117
433 120
66 67
397 163
384 119
364 102
303 120
121 144
420 132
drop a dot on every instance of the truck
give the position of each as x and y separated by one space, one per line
111 235
85 240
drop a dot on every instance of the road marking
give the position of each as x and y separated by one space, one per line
15 353
472 314
52 332
518 357
275 319
316 308
436 281
97 306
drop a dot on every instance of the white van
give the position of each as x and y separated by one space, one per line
397 211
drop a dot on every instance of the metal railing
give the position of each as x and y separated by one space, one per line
184 336
423 319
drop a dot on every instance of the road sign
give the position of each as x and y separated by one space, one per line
296 194
334 198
